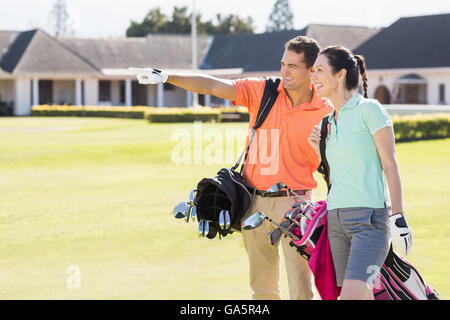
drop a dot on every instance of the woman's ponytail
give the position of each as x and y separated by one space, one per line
362 70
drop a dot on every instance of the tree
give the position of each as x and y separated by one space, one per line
180 22
281 17
153 22
229 24
59 17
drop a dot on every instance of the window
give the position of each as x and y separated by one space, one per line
45 91
104 87
139 94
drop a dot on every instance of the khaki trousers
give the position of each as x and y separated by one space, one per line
264 259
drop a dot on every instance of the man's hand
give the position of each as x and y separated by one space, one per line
149 75
401 234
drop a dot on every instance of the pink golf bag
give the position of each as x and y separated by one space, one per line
398 279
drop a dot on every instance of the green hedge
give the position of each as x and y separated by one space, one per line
419 127
152 114
89 111
407 128
183 116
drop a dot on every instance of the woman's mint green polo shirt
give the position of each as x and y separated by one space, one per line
355 169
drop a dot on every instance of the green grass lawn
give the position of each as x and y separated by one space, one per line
98 194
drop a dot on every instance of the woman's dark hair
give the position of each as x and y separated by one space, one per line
342 58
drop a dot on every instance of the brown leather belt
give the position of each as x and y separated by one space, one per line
282 193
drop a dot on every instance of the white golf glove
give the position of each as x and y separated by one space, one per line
402 238
150 75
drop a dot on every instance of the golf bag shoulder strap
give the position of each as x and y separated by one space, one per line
268 99
324 167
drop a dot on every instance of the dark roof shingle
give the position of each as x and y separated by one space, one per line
262 52
35 52
413 42
157 50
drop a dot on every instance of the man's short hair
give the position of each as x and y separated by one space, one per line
308 46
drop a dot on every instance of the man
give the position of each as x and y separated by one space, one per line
296 111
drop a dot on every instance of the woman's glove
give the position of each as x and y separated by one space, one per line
401 233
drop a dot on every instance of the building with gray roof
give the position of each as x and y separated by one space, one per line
408 62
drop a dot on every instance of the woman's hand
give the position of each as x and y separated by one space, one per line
314 140
401 234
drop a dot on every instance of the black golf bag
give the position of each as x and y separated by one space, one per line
226 192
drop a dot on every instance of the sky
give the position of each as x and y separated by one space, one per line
110 18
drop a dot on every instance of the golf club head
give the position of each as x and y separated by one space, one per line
192 195
205 228
292 214
227 219
201 228
180 210
275 236
254 221
307 210
193 212
277 187
222 219
188 212
299 204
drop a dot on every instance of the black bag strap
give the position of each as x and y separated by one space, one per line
324 167
268 99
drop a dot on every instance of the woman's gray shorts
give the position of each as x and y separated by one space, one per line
359 241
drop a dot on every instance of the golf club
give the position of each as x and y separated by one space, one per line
180 210
222 219
205 228
275 235
188 211
256 219
201 228
227 219
192 195
194 212
280 186
291 215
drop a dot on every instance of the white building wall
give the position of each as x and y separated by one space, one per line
91 92
22 97
433 88
433 77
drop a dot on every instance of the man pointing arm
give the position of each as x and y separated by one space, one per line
203 84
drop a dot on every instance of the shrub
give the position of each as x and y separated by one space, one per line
406 128
89 111
419 126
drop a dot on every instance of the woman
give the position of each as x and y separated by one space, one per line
360 150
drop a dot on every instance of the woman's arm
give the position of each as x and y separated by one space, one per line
385 143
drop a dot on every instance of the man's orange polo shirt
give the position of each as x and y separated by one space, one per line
280 151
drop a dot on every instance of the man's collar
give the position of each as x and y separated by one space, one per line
315 103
